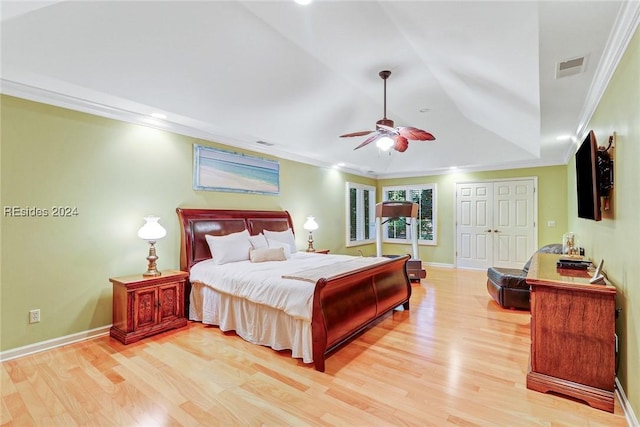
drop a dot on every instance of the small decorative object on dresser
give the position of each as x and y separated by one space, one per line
147 305
570 244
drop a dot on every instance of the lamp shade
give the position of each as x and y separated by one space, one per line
151 230
311 224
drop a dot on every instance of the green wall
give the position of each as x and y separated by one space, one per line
552 206
615 238
114 173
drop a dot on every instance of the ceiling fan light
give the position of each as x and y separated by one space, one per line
384 143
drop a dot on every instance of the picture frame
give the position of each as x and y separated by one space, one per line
220 170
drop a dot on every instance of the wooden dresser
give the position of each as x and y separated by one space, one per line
572 333
144 306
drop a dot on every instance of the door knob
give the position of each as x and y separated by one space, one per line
488 231
496 231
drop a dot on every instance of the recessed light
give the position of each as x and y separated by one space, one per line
303 2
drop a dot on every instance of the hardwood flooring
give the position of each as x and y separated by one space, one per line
455 358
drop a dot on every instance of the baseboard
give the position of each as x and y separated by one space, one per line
630 416
53 343
437 264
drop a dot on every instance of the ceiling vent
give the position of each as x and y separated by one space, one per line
570 67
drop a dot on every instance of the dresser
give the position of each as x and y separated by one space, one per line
144 306
573 341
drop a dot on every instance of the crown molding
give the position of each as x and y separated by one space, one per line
36 94
623 31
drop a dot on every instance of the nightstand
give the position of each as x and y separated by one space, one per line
144 306
322 251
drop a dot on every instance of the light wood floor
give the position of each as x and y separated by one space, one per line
455 359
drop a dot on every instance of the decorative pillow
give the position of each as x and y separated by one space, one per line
284 246
267 254
230 248
259 241
281 236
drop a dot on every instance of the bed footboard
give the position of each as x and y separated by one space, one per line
347 304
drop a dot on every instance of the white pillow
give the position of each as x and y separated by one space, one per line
281 236
259 241
284 246
267 254
230 248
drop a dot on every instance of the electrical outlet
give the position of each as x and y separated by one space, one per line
34 315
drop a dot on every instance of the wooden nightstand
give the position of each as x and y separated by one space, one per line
321 251
144 306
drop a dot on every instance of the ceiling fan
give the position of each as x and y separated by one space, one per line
388 136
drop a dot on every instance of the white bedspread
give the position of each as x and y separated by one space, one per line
263 283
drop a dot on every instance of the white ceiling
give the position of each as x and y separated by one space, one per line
296 76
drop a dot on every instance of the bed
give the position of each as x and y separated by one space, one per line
340 305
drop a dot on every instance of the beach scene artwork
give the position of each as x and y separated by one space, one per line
219 170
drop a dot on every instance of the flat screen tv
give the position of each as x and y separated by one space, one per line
588 179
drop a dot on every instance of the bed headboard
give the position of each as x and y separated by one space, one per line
196 223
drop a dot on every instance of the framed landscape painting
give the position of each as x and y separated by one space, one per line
219 170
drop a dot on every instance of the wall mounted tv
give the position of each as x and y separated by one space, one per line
588 179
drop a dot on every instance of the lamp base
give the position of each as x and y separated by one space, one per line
152 270
150 273
310 248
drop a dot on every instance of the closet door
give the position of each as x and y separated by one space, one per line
474 220
513 223
495 223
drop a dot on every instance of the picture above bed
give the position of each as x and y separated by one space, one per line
219 170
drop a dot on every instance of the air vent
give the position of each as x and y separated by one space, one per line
268 144
570 67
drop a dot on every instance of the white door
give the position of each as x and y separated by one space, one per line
474 221
513 223
495 223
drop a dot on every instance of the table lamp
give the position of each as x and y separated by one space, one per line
310 225
151 231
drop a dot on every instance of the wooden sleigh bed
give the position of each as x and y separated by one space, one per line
342 305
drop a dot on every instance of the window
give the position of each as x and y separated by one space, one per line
399 230
361 211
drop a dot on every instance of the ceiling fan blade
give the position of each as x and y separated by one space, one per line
400 143
361 133
369 140
415 134
388 129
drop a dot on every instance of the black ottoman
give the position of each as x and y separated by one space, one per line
508 286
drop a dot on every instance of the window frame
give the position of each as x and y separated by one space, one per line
360 188
434 213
